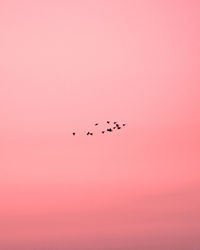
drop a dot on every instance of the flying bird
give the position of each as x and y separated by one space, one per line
117 126
109 129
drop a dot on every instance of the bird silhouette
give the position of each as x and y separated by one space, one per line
109 129
116 126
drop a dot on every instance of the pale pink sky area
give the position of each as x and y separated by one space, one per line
65 65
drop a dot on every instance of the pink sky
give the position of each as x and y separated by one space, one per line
65 65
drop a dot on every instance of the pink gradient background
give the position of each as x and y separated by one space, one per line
67 64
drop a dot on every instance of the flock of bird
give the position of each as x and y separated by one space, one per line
112 127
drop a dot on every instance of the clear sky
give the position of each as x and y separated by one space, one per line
65 65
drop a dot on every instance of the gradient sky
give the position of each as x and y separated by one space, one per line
65 65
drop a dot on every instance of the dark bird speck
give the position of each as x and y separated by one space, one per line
73 133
